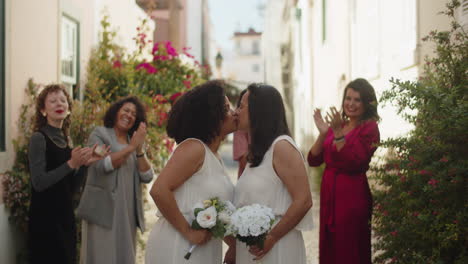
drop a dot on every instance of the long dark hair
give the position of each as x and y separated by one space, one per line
39 119
111 113
199 113
267 120
368 99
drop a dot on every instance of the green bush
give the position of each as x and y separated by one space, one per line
420 213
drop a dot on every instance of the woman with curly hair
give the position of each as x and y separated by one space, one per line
198 122
56 173
111 204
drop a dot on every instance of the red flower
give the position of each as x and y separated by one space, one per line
150 69
187 84
416 214
394 233
162 118
174 97
443 159
117 64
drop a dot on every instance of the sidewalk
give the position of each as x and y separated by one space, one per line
310 237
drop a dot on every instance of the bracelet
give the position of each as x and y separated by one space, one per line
140 155
339 139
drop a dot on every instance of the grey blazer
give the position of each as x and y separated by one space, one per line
98 199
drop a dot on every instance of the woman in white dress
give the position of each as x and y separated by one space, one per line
198 122
275 176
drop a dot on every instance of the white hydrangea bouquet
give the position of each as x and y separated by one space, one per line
213 215
252 223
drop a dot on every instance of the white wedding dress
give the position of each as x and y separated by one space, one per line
263 186
165 244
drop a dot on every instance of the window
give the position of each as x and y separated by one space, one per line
255 48
69 54
255 68
2 75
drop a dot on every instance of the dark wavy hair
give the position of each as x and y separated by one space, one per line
39 119
368 99
199 113
267 120
111 113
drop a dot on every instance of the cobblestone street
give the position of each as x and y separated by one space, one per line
310 237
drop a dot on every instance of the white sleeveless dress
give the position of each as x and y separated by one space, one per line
263 186
165 244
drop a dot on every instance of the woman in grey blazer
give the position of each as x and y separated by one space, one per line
111 204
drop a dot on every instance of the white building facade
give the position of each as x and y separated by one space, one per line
247 65
326 44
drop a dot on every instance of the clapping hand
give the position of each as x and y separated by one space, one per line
138 137
97 155
334 120
322 126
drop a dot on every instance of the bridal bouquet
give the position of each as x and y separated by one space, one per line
213 215
251 223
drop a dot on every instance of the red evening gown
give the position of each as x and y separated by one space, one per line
345 198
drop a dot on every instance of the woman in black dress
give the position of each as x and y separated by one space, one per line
56 173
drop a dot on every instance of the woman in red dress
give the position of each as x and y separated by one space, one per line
346 144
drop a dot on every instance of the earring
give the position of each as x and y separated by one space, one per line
44 114
68 113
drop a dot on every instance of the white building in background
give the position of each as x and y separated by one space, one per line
49 41
246 65
326 44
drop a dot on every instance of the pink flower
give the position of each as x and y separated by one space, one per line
150 69
174 97
433 182
171 50
117 64
162 118
187 84
159 98
443 159
425 172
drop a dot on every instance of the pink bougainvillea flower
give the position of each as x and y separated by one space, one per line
444 159
425 172
159 98
148 67
155 48
117 64
174 97
162 118
187 84
171 50
433 182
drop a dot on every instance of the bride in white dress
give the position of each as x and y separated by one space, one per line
275 176
198 122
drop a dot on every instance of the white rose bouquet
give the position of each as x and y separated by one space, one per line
213 215
252 223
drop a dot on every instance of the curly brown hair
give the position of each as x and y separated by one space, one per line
39 119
